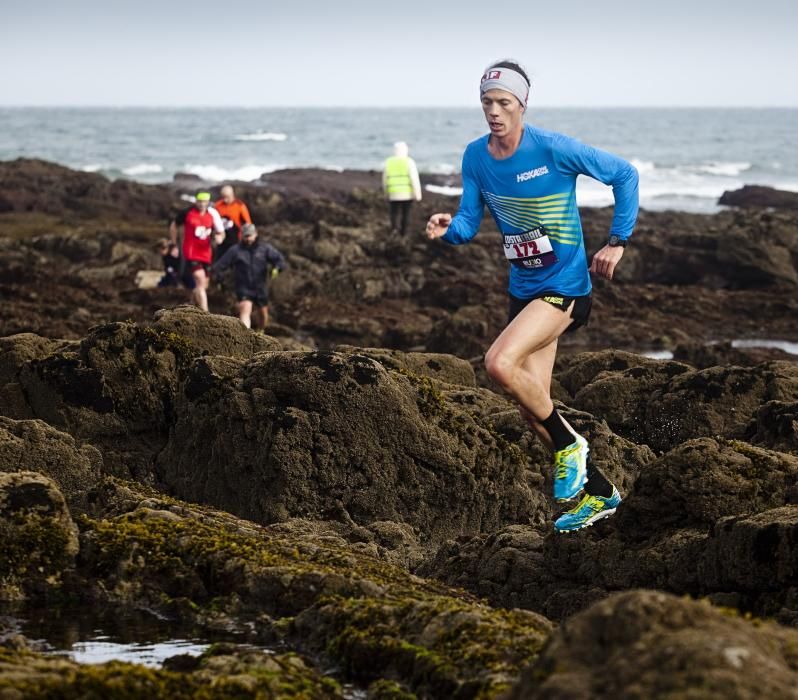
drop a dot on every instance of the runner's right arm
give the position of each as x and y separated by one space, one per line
225 261
465 224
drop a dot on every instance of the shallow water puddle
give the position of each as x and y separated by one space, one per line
784 345
95 637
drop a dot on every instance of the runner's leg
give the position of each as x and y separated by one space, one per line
262 315
200 292
537 326
245 312
541 364
405 215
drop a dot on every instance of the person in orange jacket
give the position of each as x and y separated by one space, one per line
234 215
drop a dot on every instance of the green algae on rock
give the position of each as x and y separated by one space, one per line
222 672
371 618
38 540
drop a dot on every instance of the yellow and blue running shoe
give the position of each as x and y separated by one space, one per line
570 469
589 510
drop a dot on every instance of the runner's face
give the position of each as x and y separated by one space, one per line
503 112
202 206
248 240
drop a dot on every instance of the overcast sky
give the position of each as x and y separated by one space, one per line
408 53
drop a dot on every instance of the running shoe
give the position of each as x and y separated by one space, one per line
589 510
570 469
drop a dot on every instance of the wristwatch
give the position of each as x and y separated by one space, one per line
616 240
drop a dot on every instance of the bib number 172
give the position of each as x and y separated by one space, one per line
523 250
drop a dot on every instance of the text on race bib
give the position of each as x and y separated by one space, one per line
202 232
529 249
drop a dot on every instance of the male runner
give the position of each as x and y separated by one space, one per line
198 222
250 260
234 215
527 178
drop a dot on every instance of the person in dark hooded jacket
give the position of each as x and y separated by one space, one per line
251 260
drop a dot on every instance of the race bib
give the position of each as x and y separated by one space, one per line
202 232
228 223
529 249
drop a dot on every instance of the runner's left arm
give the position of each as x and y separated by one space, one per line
245 213
575 158
218 224
275 257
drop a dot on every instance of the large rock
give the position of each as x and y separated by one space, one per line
211 334
330 435
445 368
775 425
38 540
114 390
703 480
35 185
117 387
645 644
757 196
664 403
753 560
34 446
16 351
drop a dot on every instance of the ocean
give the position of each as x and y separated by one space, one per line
686 157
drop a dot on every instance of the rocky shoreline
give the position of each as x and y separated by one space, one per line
351 491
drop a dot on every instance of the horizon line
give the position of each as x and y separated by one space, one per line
346 107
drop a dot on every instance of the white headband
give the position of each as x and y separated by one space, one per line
505 79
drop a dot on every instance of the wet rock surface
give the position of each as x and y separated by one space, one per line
680 649
353 491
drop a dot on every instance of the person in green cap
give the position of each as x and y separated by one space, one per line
199 222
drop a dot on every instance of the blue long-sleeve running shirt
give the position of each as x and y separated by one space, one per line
532 197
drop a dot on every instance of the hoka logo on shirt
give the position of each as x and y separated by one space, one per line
529 174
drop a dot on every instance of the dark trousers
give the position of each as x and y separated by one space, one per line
400 208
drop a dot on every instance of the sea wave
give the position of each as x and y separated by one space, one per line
643 166
444 189
721 168
665 184
143 169
92 167
216 173
442 169
262 136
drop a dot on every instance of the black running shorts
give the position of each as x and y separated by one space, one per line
580 313
258 297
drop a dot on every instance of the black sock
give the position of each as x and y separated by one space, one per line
597 484
559 433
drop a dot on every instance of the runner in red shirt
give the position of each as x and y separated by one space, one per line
198 222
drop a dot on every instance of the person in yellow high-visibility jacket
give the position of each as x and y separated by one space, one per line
401 185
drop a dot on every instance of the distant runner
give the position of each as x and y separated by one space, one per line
170 256
198 222
234 215
251 260
527 178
